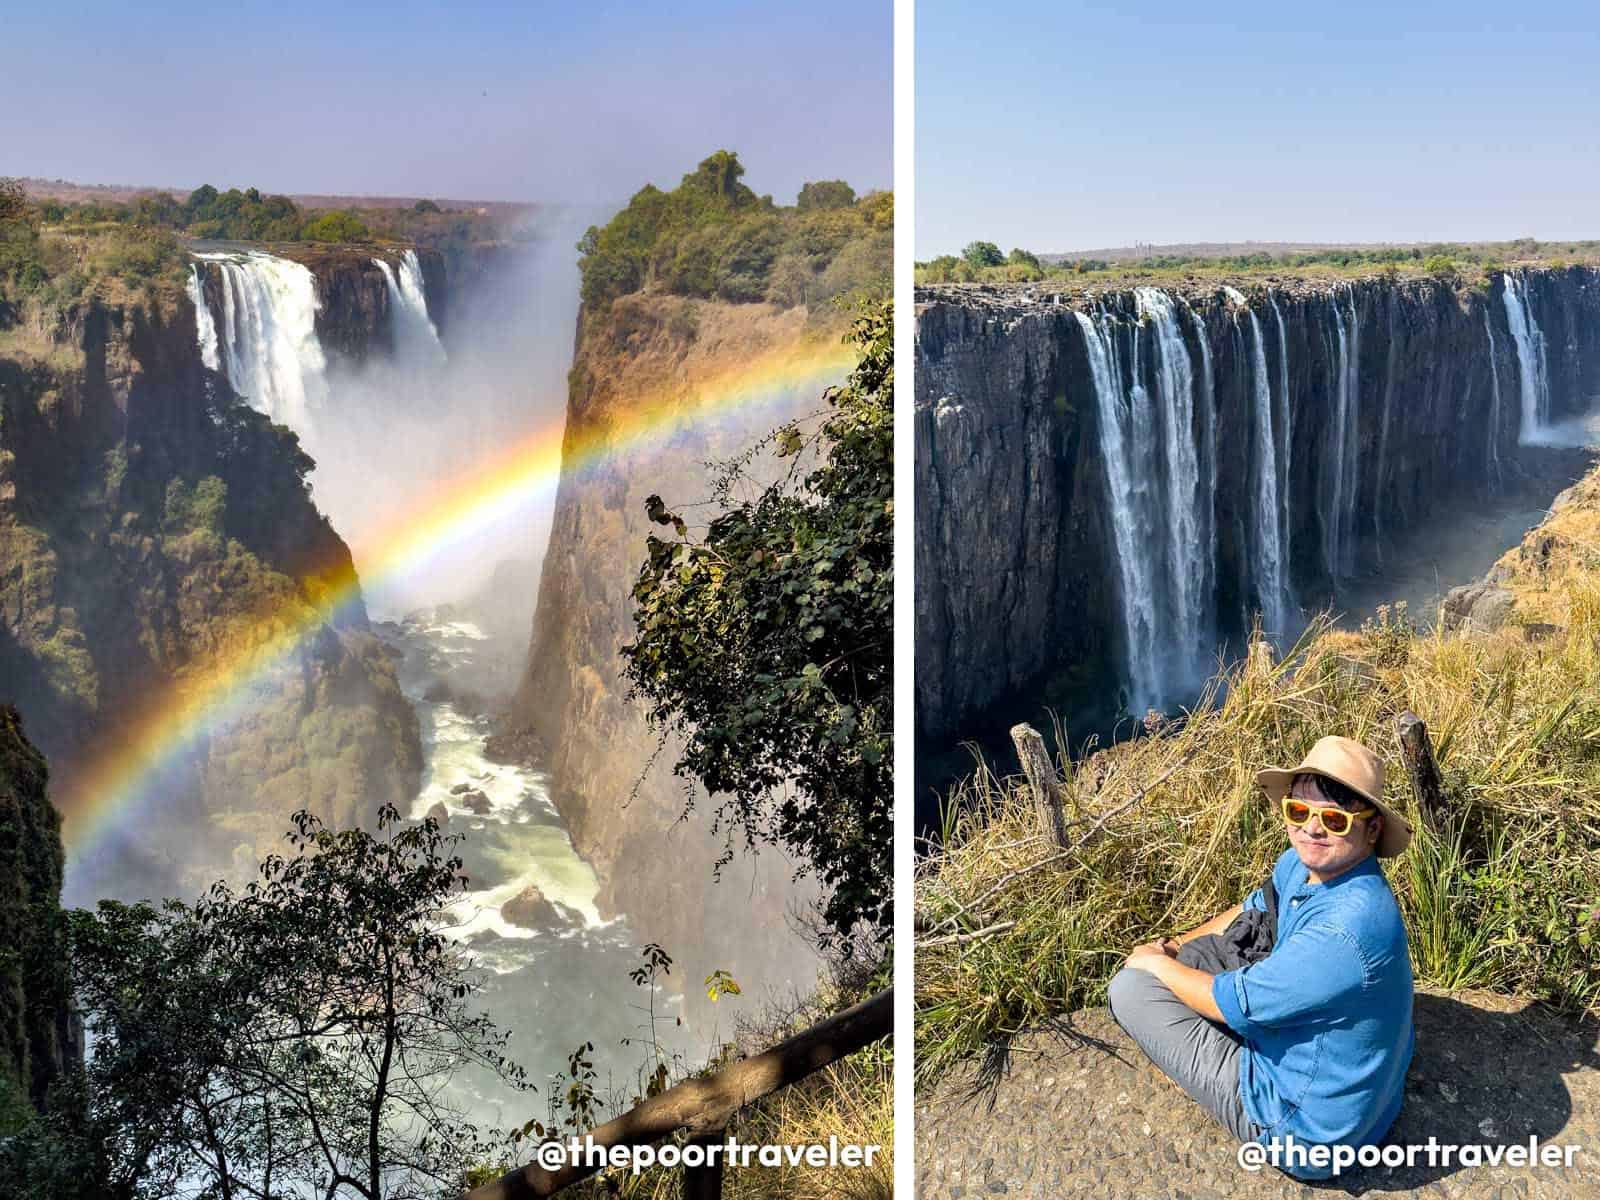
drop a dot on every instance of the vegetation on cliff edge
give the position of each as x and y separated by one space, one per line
712 236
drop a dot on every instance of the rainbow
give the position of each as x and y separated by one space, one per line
122 768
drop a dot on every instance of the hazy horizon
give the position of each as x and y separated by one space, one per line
484 101
1062 128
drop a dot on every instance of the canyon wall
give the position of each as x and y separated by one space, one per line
1096 471
149 522
40 1036
656 869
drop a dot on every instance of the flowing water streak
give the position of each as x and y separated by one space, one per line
1205 398
1350 442
1494 403
1285 450
1186 567
1383 437
1334 493
416 338
1530 359
1138 592
205 324
1269 551
269 335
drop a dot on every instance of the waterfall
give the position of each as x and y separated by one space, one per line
205 325
1268 548
1351 443
269 336
1338 549
1160 483
1206 398
1333 462
1285 449
1186 559
416 339
1383 437
1530 359
1127 497
1494 403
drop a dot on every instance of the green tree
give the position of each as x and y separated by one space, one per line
1440 266
335 225
765 644
1024 258
292 1038
982 254
825 193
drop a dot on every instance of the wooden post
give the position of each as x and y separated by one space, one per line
1416 749
1042 780
705 1182
705 1106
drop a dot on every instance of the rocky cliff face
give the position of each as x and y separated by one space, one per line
39 1035
654 868
149 521
1386 400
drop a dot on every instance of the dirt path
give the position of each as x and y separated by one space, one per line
1077 1110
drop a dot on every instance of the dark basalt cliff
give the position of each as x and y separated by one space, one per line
656 869
149 521
40 1037
1016 568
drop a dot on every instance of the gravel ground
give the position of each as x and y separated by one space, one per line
1077 1110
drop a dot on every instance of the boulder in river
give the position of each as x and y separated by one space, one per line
474 801
439 813
529 909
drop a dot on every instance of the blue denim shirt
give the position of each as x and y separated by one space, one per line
1326 1017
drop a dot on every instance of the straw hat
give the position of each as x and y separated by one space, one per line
1353 765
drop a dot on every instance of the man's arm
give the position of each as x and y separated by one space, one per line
1188 984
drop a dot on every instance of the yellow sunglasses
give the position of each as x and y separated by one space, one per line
1334 819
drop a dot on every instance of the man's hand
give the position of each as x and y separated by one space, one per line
1148 948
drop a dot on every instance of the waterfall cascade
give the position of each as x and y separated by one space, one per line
416 339
205 323
1343 465
1531 365
1129 500
268 335
1161 480
1494 403
1285 442
1267 539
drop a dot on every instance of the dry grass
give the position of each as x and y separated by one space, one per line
1500 896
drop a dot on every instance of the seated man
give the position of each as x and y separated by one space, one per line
1312 1040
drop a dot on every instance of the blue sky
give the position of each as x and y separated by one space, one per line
1066 125
580 102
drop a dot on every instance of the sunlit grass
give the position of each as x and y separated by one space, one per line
1498 895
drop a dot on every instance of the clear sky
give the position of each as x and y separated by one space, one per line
1060 124
474 99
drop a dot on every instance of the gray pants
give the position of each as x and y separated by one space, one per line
1196 1053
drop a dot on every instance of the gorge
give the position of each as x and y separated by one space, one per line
1113 487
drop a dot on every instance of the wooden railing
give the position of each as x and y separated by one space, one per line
704 1107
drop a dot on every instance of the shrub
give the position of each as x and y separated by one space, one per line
828 193
335 226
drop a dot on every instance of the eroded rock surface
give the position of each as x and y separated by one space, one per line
1077 1110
